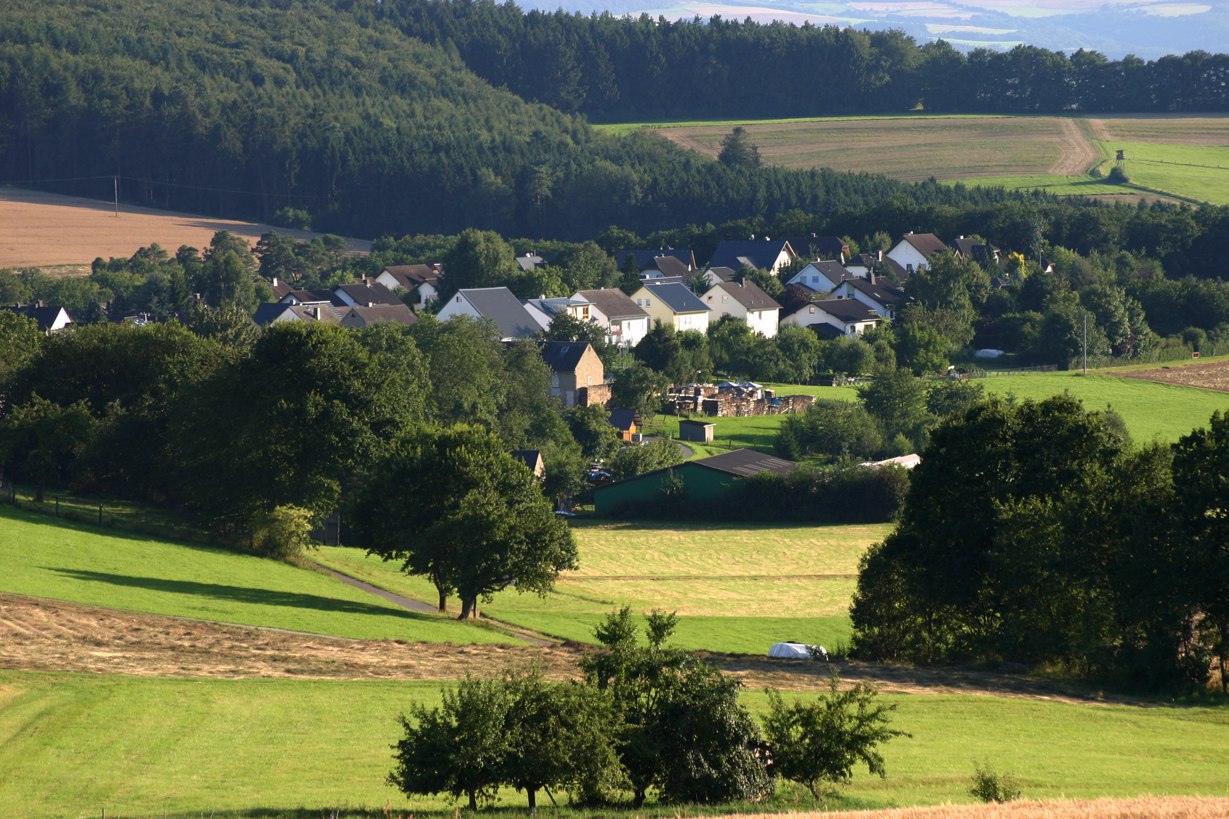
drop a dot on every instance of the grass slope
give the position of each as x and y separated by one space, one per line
76 745
736 589
1198 172
45 557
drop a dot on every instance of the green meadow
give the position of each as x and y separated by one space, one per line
1150 410
85 745
1196 172
735 589
45 557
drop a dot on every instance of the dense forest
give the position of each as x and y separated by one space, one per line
249 107
611 67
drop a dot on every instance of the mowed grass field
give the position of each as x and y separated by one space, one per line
1182 157
736 589
80 745
1150 410
45 557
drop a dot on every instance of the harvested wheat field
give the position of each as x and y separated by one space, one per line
1213 375
38 634
1147 807
48 230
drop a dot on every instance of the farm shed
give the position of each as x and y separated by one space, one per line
698 431
705 479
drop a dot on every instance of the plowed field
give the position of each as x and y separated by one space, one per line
1211 376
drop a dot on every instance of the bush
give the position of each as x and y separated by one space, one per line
817 744
989 786
283 532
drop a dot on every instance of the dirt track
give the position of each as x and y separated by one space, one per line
43 229
50 635
1144 807
1078 154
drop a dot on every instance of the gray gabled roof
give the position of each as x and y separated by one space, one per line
846 310
366 316
365 294
758 253
677 297
622 418
564 356
647 257
817 247
612 303
925 243
749 294
885 294
500 306
744 462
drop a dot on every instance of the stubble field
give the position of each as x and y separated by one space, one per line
47 230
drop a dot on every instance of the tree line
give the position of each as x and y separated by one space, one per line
1034 533
611 67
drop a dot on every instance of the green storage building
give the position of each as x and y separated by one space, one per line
704 479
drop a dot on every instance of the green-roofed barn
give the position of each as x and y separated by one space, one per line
703 480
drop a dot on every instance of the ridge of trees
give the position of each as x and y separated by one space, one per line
612 67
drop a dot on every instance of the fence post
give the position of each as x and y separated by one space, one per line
57 506
100 514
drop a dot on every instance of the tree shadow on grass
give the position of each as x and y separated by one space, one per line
240 594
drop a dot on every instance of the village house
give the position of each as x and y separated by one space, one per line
759 254
883 298
703 480
819 247
49 319
665 262
365 292
821 276
747 301
673 305
578 377
421 281
848 316
626 323
361 317
913 251
499 305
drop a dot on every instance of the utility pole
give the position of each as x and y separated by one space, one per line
1085 342
115 192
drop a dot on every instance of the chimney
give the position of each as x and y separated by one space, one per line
275 281
880 257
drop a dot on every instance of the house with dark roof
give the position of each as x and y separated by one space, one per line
761 254
499 305
704 480
850 317
624 420
545 310
883 298
819 247
626 323
365 292
532 459
985 254
820 276
311 297
49 319
913 251
674 305
649 261
421 281
276 312
360 317
717 275
574 370
745 300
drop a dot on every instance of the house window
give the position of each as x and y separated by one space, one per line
812 309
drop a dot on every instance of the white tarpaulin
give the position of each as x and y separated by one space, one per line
793 651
